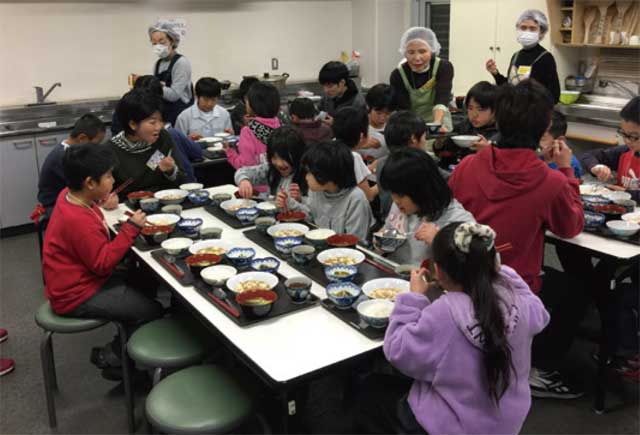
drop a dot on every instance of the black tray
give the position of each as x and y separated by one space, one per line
232 221
351 317
282 306
186 205
187 277
441 135
606 233
314 270
214 155
142 244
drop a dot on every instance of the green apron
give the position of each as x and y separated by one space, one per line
423 99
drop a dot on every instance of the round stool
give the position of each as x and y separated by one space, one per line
165 343
199 399
52 323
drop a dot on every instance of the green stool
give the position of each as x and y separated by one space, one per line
51 323
199 399
165 344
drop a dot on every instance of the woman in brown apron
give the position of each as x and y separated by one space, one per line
533 61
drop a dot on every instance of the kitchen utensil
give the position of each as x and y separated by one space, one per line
123 186
169 263
589 16
602 8
279 81
622 8
224 305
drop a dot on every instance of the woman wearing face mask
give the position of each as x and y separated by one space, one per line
422 82
172 69
533 61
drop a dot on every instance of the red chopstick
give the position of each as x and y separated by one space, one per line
504 247
224 305
173 269
123 186
378 266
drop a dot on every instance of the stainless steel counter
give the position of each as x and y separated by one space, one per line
594 110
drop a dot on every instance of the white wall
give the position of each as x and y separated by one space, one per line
91 47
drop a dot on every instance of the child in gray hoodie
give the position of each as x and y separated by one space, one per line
334 201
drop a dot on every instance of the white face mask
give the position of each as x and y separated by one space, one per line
528 39
161 50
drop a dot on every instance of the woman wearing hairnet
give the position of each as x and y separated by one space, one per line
172 69
423 81
533 61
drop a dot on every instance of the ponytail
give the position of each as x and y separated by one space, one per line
466 253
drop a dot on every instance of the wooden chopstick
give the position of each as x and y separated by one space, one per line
379 267
172 268
123 186
223 305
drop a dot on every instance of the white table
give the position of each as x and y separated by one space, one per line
599 245
284 348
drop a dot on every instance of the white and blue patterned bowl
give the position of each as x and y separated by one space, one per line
375 312
593 219
190 226
268 264
343 294
247 215
241 257
340 272
199 197
286 244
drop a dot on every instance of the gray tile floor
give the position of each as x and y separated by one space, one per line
88 404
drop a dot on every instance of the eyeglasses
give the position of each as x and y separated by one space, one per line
626 136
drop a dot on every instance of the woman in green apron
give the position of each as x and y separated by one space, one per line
422 82
533 61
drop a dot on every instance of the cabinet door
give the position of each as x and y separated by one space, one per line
18 181
471 41
45 143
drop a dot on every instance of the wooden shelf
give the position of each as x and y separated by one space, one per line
566 44
566 29
567 8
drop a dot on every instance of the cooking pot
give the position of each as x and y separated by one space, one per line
276 80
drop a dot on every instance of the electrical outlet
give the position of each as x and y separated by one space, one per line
274 63
292 407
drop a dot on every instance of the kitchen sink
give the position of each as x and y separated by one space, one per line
594 109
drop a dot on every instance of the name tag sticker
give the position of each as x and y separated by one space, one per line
154 160
524 70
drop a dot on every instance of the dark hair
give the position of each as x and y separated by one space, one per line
631 111
245 84
523 114
558 124
150 83
89 125
208 87
381 97
303 108
82 161
413 173
137 105
483 93
332 72
349 123
288 144
476 272
330 162
401 127
264 99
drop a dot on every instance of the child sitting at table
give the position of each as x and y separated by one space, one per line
467 353
422 203
87 129
508 187
239 116
334 200
79 258
480 121
205 118
303 116
350 126
381 103
549 143
339 90
282 172
263 104
625 159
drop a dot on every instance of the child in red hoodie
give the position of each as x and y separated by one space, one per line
507 187
79 258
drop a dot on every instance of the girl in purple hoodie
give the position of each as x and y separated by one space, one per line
263 103
469 351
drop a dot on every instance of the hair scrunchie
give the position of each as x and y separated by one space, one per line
465 233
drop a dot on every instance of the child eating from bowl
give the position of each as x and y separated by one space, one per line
467 354
205 118
79 258
303 116
381 103
263 103
282 172
550 143
339 90
334 201
625 159
480 121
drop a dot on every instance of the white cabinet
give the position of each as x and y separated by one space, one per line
45 143
18 180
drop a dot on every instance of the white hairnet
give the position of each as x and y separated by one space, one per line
537 16
422 34
175 30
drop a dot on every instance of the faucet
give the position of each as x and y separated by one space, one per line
619 86
40 96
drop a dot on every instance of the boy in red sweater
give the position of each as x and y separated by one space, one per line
79 258
507 187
